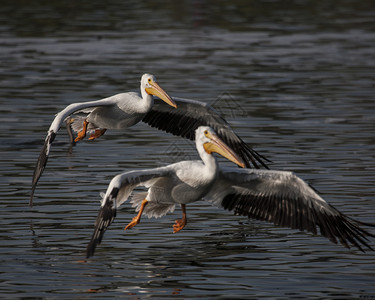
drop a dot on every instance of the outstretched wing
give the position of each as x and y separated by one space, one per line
119 190
285 200
52 131
191 114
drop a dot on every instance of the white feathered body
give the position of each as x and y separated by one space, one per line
126 110
184 182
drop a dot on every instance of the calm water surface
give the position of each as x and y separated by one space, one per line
296 81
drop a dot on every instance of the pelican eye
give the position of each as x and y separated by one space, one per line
149 80
206 132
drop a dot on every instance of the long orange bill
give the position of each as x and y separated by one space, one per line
157 91
218 146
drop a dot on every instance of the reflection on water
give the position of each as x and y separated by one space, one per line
296 82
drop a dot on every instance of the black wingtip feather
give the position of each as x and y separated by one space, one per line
335 226
106 215
184 125
41 164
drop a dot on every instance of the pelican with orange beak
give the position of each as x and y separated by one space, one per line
176 184
279 197
127 109
116 112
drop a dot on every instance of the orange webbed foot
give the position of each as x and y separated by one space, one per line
82 133
134 222
97 133
137 218
179 225
80 136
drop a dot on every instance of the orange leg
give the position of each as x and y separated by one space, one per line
181 222
82 133
137 218
97 133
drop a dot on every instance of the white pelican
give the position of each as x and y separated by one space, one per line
274 196
126 109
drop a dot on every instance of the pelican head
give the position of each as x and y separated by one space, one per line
151 87
211 142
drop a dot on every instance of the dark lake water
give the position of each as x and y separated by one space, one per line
294 78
